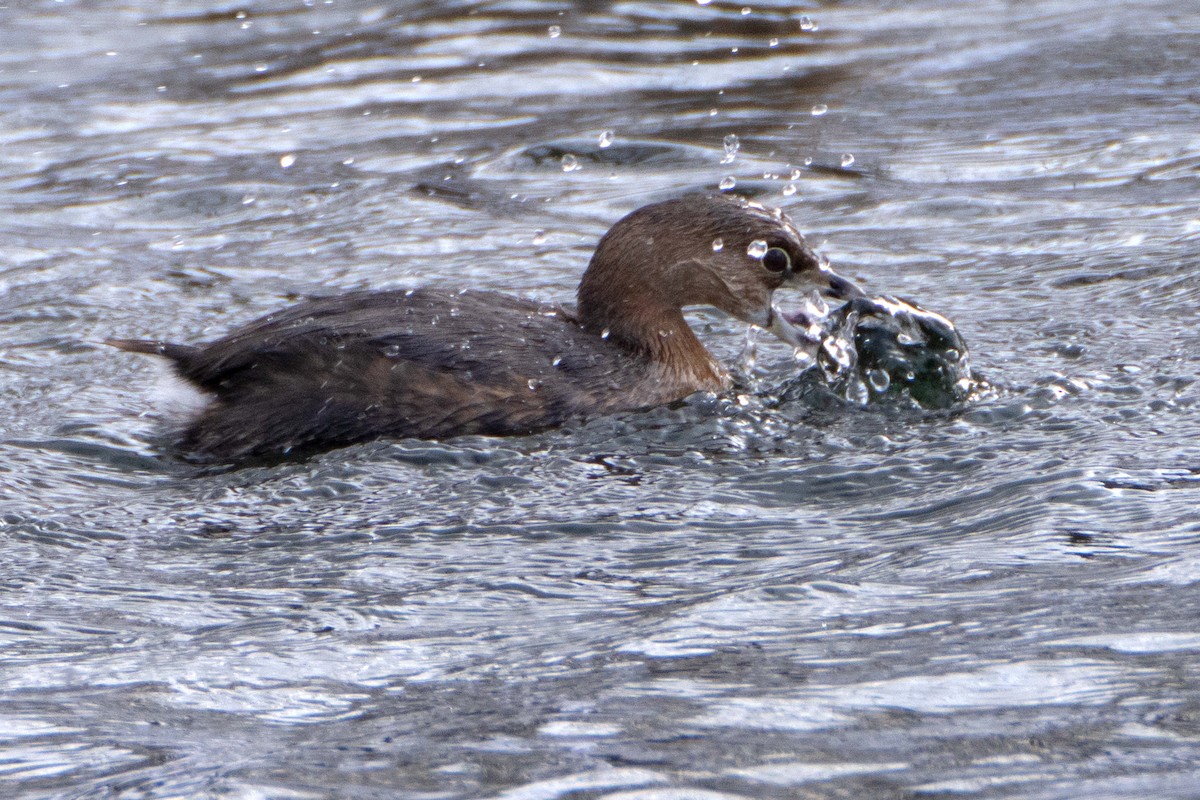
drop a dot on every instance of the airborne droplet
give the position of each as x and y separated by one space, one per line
732 145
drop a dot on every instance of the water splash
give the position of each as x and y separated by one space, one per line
747 359
880 349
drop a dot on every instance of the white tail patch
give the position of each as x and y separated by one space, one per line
175 398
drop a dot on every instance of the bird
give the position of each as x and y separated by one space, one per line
438 362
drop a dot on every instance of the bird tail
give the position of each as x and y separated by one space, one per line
154 347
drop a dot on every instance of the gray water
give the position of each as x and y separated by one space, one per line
737 598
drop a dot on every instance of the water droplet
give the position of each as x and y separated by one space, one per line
392 350
819 109
789 190
745 10
856 392
879 380
554 362
806 24
847 159
731 148
815 305
604 334
795 176
757 249
539 237
606 139
773 43
569 163
555 31
905 339
703 2
287 160
718 244
727 183
533 384
808 161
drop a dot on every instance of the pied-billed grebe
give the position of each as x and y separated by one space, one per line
433 363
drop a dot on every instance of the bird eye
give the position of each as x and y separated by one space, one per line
777 260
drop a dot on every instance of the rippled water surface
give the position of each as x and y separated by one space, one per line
737 598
